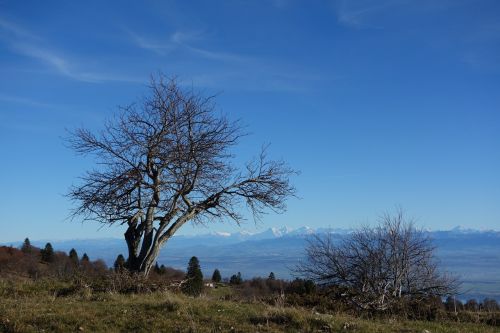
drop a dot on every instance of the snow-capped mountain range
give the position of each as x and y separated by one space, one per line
473 254
273 232
285 231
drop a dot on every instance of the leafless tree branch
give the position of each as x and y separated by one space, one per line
378 266
168 162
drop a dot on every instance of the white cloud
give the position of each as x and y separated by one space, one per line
183 40
28 102
147 44
14 29
67 68
280 3
181 37
25 43
360 13
221 56
230 70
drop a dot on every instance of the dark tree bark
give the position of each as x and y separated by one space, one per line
166 163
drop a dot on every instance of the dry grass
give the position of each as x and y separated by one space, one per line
26 306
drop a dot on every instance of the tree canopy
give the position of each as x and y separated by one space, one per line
167 161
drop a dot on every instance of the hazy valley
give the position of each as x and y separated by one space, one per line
473 255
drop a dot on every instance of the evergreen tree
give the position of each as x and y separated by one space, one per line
309 286
216 277
47 253
157 268
85 258
26 248
73 258
119 263
194 283
236 279
271 276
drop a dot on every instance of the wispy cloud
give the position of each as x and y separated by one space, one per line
183 40
280 3
483 46
366 13
51 59
263 77
147 44
227 70
23 42
9 27
183 37
63 66
357 13
28 102
220 56
475 43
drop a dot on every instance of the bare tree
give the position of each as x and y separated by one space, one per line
168 162
378 266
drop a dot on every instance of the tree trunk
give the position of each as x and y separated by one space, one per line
141 262
148 262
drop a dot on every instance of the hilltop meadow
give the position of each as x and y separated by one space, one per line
128 130
57 292
51 306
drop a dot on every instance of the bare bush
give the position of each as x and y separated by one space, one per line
380 266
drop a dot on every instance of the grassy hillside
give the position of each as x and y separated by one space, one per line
474 256
49 306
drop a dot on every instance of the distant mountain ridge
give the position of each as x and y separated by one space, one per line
473 254
273 232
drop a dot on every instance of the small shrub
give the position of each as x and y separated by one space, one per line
288 319
167 306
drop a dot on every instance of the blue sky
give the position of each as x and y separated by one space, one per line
377 103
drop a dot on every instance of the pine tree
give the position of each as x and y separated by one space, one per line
85 258
73 258
309 286
119 263
194 283
157 269
271 276
236 279
47 253
26 247
216 277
